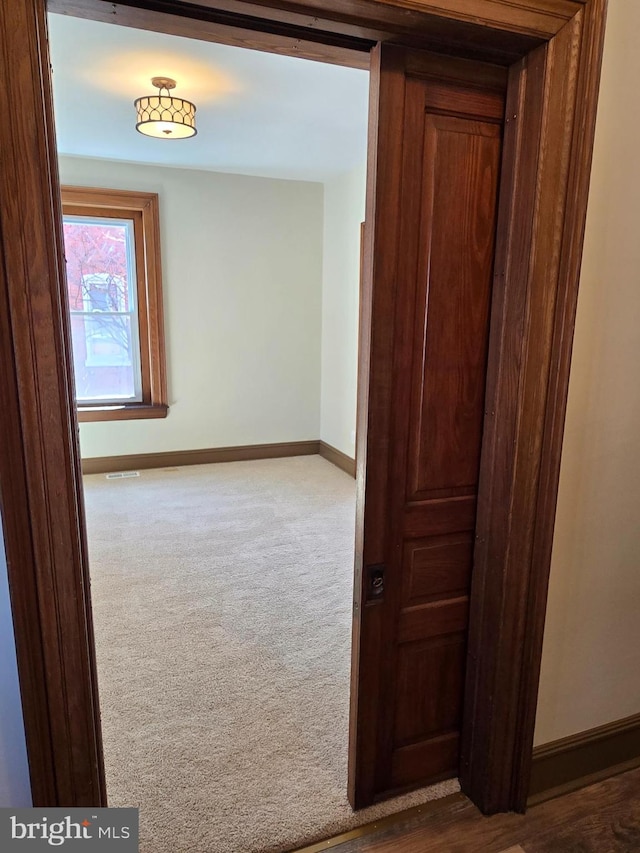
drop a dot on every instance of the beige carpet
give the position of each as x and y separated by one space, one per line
222 603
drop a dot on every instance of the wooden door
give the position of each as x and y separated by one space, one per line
435 150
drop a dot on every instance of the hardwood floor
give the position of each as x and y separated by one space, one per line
603 818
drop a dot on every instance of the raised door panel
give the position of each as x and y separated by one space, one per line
429 688
457 227
437 566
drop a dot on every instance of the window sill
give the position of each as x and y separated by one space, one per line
123 412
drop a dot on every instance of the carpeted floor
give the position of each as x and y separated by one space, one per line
222 606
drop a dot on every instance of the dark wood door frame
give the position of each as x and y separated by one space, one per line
553 49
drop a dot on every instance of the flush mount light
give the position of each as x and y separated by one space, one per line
163 116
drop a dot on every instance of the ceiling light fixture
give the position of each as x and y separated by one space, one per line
163 116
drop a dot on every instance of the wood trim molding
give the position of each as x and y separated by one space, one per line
130 412
337 458
206 456
40 490
343 31
177 458
144 210
547 158
214 25
585 758
545 19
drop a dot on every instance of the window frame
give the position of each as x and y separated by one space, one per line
143 209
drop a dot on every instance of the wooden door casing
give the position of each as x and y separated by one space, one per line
338 30
437 198
554 49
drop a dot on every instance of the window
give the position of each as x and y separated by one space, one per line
112 250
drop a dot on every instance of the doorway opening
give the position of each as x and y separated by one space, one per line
213 286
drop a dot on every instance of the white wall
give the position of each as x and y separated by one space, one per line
591 660
344 201
242 261
15 789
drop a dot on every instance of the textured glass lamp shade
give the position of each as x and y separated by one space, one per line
164 116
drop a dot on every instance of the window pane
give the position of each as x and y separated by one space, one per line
100 256
103 357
